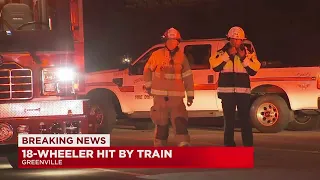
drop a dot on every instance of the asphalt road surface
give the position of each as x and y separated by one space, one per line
286 155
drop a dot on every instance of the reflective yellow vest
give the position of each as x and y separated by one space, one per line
234 74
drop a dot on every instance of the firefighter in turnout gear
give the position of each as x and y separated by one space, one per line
236 62
168 78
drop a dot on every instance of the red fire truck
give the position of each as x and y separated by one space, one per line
41 71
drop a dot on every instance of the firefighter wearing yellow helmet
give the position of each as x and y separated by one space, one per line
168 78
236 62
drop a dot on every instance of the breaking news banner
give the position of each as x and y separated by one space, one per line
94 151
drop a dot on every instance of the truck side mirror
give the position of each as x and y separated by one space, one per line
264 64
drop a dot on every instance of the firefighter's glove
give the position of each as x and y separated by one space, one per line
147 90
226 47
241 52
230 50
190 101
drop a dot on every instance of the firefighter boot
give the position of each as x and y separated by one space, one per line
161 135
185 142
160 143
182 134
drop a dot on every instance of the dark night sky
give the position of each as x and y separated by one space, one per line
282 30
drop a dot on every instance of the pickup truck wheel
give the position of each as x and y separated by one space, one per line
303 122
13 159
105 115
270 114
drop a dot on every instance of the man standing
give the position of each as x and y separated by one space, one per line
168 77
236 61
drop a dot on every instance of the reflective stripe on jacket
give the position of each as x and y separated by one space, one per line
234 74
168 79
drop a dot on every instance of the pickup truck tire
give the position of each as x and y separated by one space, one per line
13 159
303 123
270 114
105 113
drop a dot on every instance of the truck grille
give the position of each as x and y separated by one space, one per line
15 84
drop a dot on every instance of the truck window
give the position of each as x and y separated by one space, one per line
198 56
42 25
137 68
26 15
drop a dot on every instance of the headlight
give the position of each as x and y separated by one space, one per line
59 74
59 81
66 74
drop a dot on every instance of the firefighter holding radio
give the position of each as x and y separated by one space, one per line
236 62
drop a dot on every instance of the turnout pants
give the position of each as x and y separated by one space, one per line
229 104
173 108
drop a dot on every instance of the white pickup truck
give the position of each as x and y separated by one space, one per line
282 98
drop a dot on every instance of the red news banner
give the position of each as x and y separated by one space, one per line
94 151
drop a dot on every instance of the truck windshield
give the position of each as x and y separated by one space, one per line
35 25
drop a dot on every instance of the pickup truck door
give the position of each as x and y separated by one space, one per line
139 100
205 79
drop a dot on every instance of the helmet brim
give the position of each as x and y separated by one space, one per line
236 38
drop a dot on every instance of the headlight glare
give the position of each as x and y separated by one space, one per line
59 81
65 74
